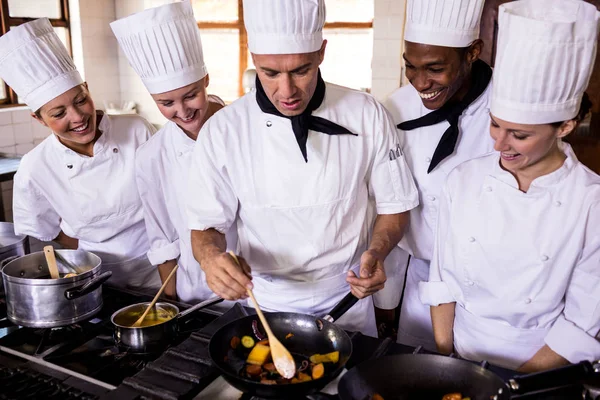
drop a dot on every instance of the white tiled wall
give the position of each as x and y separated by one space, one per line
388 25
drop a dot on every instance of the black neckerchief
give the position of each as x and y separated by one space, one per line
451 112
304 122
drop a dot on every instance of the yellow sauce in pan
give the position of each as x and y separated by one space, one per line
155 317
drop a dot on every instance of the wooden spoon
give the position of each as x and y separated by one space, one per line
51 261
139 321
282 358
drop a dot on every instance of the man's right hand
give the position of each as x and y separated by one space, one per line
226 278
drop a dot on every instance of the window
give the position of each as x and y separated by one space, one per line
16 12
348 30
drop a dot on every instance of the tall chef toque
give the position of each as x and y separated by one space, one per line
35 63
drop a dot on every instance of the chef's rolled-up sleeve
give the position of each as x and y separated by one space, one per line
390 182
33 214
436 291
162 235
575 333
211 200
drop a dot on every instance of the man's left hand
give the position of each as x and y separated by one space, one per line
372 275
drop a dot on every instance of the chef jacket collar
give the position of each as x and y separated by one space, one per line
545 181
101 144
181 141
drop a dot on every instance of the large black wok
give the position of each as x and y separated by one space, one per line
311 335
428 376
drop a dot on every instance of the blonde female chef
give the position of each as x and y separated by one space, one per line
77 186
515 277
177 79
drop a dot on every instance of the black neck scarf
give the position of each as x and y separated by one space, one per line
304 122
451 112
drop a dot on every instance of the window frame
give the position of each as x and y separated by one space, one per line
243 36
6 22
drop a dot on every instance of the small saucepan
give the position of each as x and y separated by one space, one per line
158 329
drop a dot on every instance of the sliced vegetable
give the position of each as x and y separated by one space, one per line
452 396
264 342
235 342
332 357
289 335
303 366
253 370
318 371
247 342
302 377
377 396
270 367
259 355
257 333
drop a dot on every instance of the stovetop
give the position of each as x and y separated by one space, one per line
82 361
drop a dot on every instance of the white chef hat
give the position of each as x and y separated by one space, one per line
448 23
163 46
545 56
284 27
35 63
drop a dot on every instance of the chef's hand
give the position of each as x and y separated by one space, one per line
226 278
372 275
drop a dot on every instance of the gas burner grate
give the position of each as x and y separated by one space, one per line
19 383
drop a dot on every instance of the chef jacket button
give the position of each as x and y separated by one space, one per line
115 150
527 301
269 124
70 166
471 239
545 258
431 198
557 203
488 189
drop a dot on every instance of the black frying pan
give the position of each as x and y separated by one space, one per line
311 335
428 376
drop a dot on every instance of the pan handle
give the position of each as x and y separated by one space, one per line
206 303
78 291
562 376
340 309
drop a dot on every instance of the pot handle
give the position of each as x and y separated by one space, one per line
95 283
340 308
206 303
562 376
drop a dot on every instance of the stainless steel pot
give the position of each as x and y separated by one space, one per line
11 245
35 300
154 337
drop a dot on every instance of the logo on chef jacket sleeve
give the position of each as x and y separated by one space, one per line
396 152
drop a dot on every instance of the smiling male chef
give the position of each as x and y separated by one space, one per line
444 116
292 164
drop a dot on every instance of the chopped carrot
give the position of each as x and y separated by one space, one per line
235 342
289 335
452 396
377 396
302 377
264 342
318 371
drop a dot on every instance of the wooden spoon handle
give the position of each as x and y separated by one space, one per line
51 261
155 299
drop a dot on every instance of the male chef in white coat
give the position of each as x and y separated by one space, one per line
292 164
444 116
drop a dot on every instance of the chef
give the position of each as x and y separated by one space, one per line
292 165
173 70
515 277
77 187
443 114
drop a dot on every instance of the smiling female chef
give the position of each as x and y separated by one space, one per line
515 277
443 114
292 165
173 70
77 187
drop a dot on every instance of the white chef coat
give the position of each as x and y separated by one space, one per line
523 268
420 143
92 199
301 225
162 165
